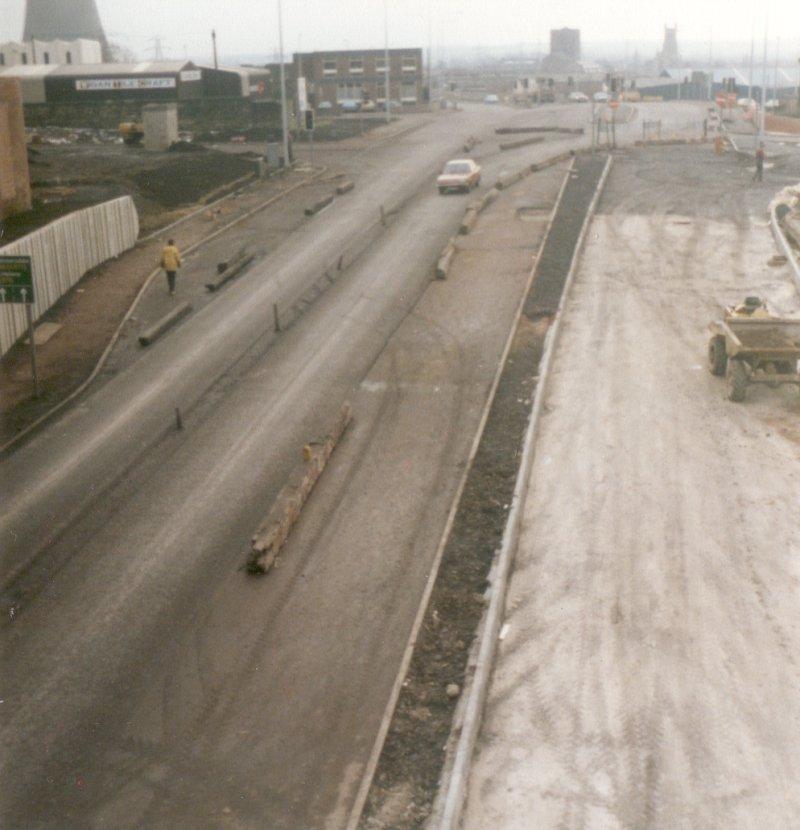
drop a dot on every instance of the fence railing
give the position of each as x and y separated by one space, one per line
63 251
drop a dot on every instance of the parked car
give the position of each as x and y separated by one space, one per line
393 105
601 97
578 97
491 99
459 174
350 105
369 106
324 105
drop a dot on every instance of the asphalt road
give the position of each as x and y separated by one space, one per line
131 667
648 674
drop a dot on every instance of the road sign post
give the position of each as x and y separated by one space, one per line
16 286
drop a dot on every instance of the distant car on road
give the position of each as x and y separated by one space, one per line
325 105
459 174
350 105
772 104
578 97
491 99
369 106
601 97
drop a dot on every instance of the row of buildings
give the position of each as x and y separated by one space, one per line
61 72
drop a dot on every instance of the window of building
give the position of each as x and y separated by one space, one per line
380 65
69 57
329 67
356 66
349 91
24 58
409 64
408 93
47 57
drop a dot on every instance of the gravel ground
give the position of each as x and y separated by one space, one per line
649 673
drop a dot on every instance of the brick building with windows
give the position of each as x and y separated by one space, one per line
360 75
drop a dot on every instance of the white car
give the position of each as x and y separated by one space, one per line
459 174
491 99
601 97
578 97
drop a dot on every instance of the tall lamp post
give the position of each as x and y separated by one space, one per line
386 58
284 113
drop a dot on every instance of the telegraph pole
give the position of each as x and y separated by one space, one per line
284 113
762 114
214 44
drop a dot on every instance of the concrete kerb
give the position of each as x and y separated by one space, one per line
372 763
44 419
785 247
455 787
150 335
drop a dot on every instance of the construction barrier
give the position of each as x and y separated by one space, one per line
63 251
521 142
163 325
275 529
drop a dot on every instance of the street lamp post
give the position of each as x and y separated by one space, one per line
284 113
386 57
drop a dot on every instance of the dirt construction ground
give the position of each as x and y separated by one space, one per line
649 673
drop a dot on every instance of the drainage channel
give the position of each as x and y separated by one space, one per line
414 754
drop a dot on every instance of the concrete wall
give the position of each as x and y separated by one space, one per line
63 252
15 189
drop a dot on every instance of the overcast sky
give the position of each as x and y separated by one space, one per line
250 26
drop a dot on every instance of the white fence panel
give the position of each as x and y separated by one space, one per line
63 251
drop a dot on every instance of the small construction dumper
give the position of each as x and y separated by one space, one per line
131 132
751 345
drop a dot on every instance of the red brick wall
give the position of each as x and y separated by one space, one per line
15 189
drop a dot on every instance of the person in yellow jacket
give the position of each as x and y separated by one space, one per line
170 262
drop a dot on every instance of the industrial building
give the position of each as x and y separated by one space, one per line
46 52
147 82
360 75
64 20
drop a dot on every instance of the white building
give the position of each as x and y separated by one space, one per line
55 52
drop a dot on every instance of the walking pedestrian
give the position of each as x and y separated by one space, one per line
170 262
759 174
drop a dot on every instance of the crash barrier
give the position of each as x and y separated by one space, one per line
161 327
319 205
345 187
521 142
275 529
519 130
783 244
453 787
226 271
63 251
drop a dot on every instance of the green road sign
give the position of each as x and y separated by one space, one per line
16 279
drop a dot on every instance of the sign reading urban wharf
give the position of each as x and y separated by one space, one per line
16 279
96 84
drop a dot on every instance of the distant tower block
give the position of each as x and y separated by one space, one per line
669 55
64 20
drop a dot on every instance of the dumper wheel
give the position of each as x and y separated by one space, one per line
737 381
717 357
